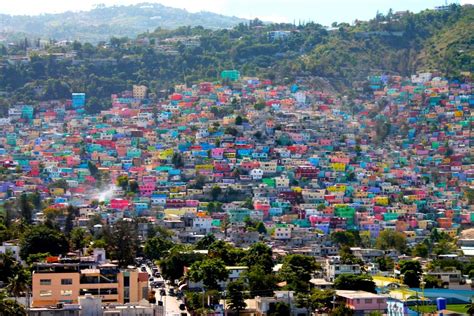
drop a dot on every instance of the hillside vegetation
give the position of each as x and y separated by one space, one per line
101 23
404 44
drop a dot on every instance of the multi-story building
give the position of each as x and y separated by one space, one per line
139 92
67 279
335 267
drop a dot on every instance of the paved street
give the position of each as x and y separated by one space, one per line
170 303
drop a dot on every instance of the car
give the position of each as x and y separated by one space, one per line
162 292
171 292
182 306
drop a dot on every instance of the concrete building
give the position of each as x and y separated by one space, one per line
363 303
66 280
139 92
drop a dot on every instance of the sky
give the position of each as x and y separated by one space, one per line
320 11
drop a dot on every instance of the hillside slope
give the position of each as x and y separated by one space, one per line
429 41
103 22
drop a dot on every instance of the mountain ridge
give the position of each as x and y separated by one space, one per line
103 22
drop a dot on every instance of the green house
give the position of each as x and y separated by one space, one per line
232 75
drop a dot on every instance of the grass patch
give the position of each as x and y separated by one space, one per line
459 308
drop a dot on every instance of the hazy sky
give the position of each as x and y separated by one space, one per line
321 11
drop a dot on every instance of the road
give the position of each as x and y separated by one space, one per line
170 303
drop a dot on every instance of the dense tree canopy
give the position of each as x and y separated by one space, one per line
41 239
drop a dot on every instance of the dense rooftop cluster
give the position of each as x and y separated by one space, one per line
358 182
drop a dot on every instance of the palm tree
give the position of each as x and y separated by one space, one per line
470 308
9 307
18 284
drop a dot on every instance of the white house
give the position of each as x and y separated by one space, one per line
256 174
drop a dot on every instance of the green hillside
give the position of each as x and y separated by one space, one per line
101 23
401 43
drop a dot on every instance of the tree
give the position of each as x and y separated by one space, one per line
432 282
156 247
385 263
205 242
215 192
238 120
235 294
259 106
199 181
41 239
470 309
342 310
177 160
173 263
321 299
26 209
122 182
229 254
260 283
36 199
9 267
411 271
389 239
354 282
122 242
346 238
210 272
411 279
420 250
18 284
72 212
261 255
9 307
79 238
297 270
261 228
279 309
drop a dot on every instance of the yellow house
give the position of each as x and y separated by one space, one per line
337 188
57 191
381 200
338 166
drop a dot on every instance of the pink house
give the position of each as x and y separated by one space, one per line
119 204
192 203
325 142
362 302
217 153
147 189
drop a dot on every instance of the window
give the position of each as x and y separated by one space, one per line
66 281
45 293
380 300
368 301
45 281
66 292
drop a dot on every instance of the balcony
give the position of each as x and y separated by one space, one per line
98 280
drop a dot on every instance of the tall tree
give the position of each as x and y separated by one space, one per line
26 209
260 254
355 282
123 242
42 239
235 294
389 239
297 270
210 272
260 282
